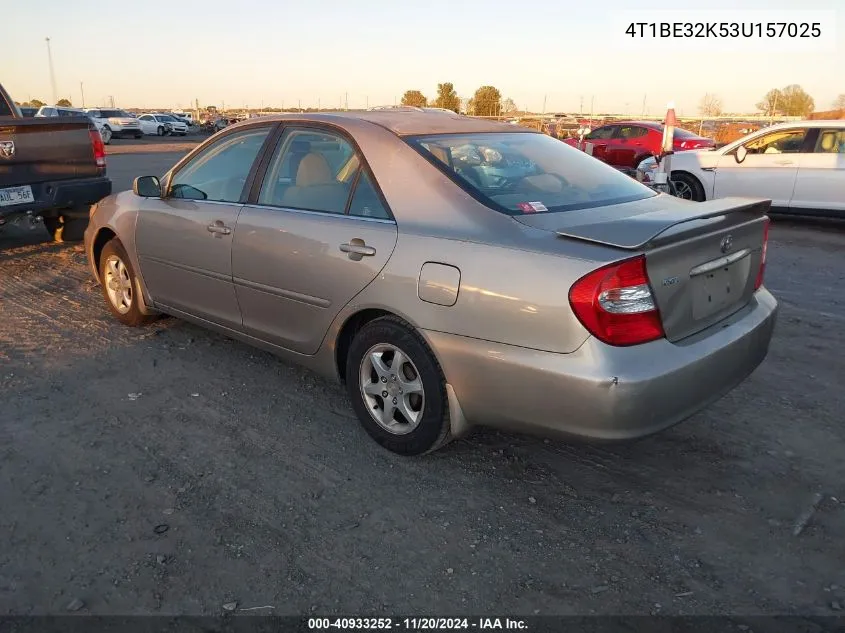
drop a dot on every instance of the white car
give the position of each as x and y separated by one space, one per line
161 124
118 122
56 111
799 165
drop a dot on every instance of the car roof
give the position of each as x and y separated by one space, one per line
402 121
806 123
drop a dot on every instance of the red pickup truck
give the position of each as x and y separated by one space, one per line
626 144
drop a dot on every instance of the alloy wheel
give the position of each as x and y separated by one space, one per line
118 284
392 389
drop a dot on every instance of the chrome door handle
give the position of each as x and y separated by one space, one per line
357 247
218 228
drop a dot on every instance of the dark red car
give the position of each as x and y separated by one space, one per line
625 144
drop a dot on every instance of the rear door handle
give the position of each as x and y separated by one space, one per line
218 228
357 249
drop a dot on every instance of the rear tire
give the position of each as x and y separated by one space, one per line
139 135
119 283
416 419
106 134
66 228
687 187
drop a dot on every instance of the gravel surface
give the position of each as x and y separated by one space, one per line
172 470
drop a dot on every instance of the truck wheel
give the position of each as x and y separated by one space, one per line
66 228
118 281
106 135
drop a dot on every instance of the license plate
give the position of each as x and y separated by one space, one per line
719 289
16 195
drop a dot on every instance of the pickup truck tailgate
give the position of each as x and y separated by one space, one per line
46 150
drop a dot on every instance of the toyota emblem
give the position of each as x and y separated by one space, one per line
727 243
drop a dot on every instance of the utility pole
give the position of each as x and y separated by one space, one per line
368 101
318 104
52 73
300 105
644 98
544 103
346 100
111 100
82 92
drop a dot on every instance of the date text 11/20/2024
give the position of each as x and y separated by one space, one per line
417 624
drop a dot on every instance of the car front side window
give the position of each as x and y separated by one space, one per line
219 172
780 142
601 134
312 170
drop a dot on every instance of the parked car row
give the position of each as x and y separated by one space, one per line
116 123
60 111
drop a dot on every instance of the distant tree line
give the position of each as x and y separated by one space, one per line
486 101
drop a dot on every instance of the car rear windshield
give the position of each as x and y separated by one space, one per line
679 133
527 172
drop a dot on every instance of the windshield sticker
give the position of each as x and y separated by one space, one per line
532 207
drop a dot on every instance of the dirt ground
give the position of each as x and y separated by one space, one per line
171 470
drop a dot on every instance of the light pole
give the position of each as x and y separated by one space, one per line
52 73
82 92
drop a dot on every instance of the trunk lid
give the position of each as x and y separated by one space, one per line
47 150
702 258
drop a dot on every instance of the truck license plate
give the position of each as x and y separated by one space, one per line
16 195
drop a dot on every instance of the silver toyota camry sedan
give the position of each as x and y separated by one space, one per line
451 271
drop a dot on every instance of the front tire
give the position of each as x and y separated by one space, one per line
160 131
397 388
687 187
119 283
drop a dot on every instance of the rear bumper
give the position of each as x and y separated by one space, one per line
603 392
62 195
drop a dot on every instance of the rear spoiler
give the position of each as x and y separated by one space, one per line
637 232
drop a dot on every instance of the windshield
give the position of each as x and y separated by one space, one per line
109 114
525 172
166 117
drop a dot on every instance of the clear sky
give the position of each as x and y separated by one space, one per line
151 53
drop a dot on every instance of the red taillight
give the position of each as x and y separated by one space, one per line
762 271
616 305
98 147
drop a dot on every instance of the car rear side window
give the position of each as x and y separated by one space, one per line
631 131
5 109
830 142
526 172
312 170
366 202
219 172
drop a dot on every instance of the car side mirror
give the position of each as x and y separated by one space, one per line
741 153
147 187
